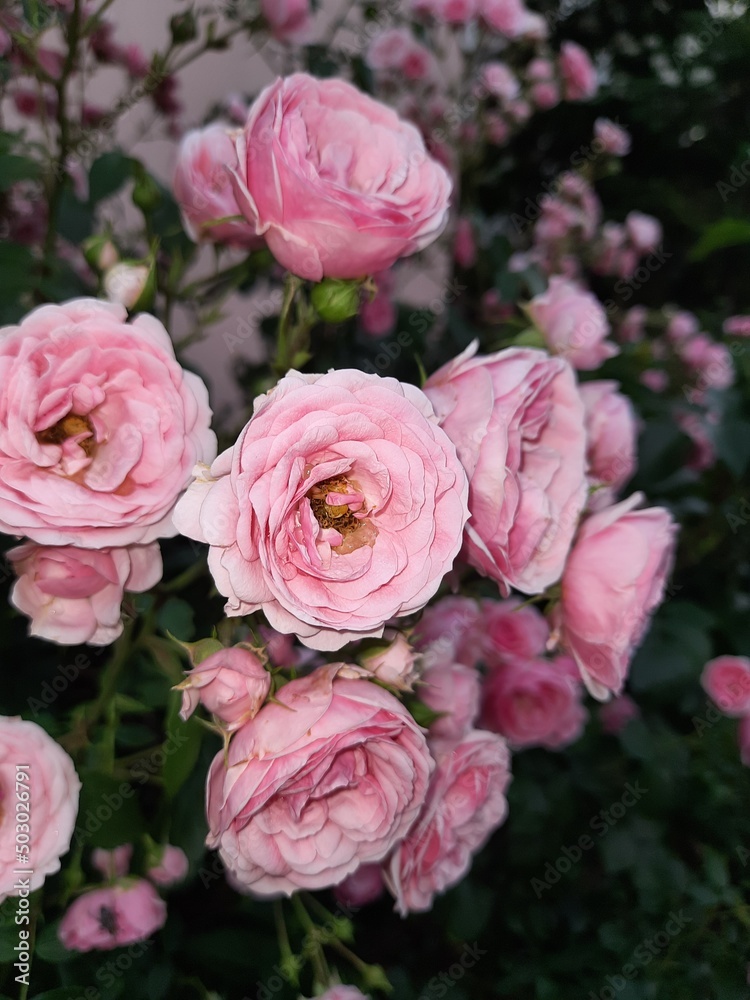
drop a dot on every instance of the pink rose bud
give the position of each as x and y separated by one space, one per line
681 326
499 80
645 231
578 72
464 246
655 379
332 572
135 60
632 328
614 579
616 714
454 690
465 804
573 323
50 780
726 680
289 20
309 199
74 595
102 919
533 703
545 95
105 430
342 993
330 778
540 69
508 630
395 665
737 326
497 129
363 886
232 684
614 139
112 864
527 486
203 189
611 426
126 283
172 868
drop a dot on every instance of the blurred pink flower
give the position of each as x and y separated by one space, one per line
112 917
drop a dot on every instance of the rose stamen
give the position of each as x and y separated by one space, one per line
69 426
340 504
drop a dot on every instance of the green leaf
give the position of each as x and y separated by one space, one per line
721 234
184 739
176 617
108 814
108 174
15 168
49 947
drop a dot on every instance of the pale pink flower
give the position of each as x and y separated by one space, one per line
726 680
112 917
231 683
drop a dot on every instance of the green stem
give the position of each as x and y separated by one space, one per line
317 957
110 675
188 576
63 124
291 337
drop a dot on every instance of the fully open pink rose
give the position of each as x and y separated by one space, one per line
337 183
454 690
330 778
341 506
112 917
573 323
533 703
516 418
52 786
203 189
231 683
100 427
612 435
74 595
726 680
289 20
613 581
465 804
578 72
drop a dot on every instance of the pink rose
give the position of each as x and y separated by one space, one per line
545 95
512 19
498 79
632 328
726 680
112 864
578 72
395 665
737 326
289 20
203 189
396 51
510 630
533 703
711 360
342 993
447 11
112 917
126 283
454 690
172 868
613 581
645 231
465 804
52 785
74 595
681 326
337 183
232 684
517 421
654 379
613 138
313 787
573 323
99 429
341 506
363 886
616 714
611 426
